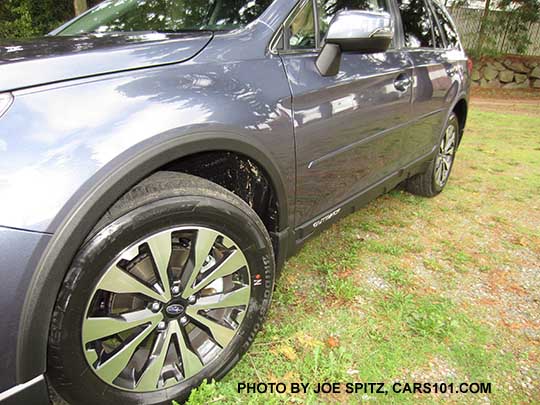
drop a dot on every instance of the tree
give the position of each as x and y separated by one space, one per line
483 25
80 6
31 18
507 19
520 15
16 20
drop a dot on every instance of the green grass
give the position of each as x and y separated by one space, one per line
391 292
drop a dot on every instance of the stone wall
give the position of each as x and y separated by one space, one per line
507 72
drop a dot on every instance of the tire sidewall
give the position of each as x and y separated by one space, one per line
69 368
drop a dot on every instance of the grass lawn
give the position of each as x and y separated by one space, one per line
415 289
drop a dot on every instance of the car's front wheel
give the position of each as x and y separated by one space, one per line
170 290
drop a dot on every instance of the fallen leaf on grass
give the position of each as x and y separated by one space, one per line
519 241
344 274
332 341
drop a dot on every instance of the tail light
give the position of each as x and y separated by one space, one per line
469 66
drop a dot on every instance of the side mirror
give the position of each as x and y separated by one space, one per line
354 31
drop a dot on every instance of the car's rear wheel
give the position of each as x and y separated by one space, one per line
170 290
434 179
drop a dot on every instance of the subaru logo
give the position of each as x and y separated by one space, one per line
175 309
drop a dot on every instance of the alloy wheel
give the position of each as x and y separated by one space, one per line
166 308
445 156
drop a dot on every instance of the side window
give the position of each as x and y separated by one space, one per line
417 24
301 32
329 8
447 26
439 41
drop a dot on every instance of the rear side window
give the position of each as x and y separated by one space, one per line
417 24
446 25
329 8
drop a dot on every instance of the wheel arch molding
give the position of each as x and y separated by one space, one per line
458 106
78 217
461 109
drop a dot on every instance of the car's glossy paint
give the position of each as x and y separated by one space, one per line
349 128
53 59
79 135
430 102
79 127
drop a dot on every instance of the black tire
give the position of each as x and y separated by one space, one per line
426 184
165 199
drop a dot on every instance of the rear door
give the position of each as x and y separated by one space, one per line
453 56
432 89
348 127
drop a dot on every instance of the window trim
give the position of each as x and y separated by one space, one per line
318 40
434 4
314 15
436 21
279 35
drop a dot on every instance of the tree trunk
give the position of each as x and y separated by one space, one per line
483 24
80 6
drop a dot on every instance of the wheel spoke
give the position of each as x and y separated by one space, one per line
438 162
447 162
230 265
221 334
100 327
442 177
438 171
449 139
112 368
161 248
449 150
190 361
203 245
129 254
118 281
232 299
150 378
445 156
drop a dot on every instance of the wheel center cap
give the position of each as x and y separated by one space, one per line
175 309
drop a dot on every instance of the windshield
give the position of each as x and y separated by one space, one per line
167 16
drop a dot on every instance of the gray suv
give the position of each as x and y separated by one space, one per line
161 159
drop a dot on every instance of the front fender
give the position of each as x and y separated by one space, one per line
68 152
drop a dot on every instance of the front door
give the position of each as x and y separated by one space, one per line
348 127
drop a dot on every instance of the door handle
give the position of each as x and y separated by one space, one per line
402 83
